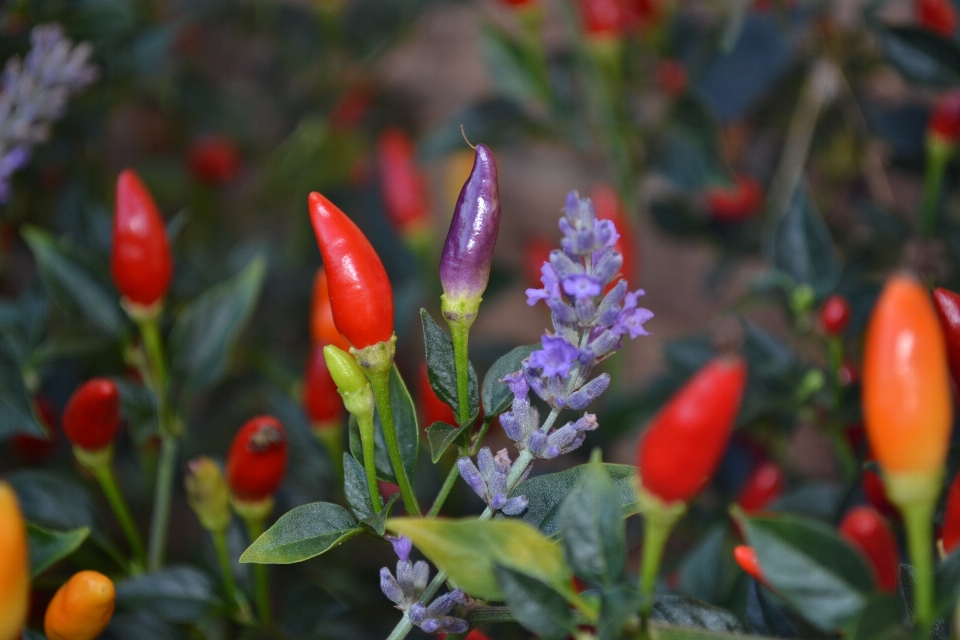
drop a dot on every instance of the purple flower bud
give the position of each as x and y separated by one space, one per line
581 286
515 506
588 392
607 265
538 442
402 546
485 463
421 574
517 382
468 249
511 426
417 613
556 357
470 475
389 586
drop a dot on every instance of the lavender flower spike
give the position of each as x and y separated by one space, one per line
468 249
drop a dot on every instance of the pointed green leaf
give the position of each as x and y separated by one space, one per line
497 396
16 408
378 521
48 547
802 247
302 533
534 605
355 487
441 370
591 528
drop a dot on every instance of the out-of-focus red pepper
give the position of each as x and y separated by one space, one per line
350 109
536 251
140 260
737 203
434 409
609 206
213 159
876 494
320 398
944 122
360 293
602 19
703 412
947 304
939 16
257 460
950 532
835 315
746 557
92 415
34 450
672 77
638 14
867 530
763 486
403 187
323 330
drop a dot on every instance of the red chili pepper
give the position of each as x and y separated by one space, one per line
320 397
323 330
602 19
140 260
835 315
939 16
672 77
947 304
257 460
34 450
867 530
403 186
213 159
746 557
360 292
350 109
608 206
763 486
683 445
876 494
92 415
737 203
434 409
950 532
638 14
536 251
944 122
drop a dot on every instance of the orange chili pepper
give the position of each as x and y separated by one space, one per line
81 608
14 565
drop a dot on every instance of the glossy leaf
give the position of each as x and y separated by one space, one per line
178 594
590 524
378 521
16 409
303 533
355 488
497 396
405 423
922 56
709 571
48 547
467 551
205 332
441 435
545 494
52 501
534 605
763 617
684 611
440 365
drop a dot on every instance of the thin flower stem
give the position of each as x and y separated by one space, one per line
380 381
229 583
261 586
451 480
161 501
104 475
460 333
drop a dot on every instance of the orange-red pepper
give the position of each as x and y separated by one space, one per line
81 609
14 565
867 530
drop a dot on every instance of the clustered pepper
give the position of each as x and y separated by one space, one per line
950 532
762 487
736 203
81 609
835 315
867 530
746 557
92 415
257 460
320 397
403 187
944 123
323 330
939 16
213 159
14 565
947 304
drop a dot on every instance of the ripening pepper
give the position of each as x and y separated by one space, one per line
944 122
835 315
947 304
92 415
360 293
257 460
906 387
403 187
140 259
737 203
609 206
433 408
81 609
950 532
939 16
14 565
686 439
763 486
323 330
208 494
867 530
468 248
213 160
320 398
746 557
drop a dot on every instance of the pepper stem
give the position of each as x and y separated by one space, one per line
460 333
261 586
161 501
367 442
938 156
229 583
380 381
658 521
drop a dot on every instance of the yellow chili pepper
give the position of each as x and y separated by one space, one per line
81 608
14 565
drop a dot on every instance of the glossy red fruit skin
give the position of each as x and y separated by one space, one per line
213 159
866 529
140 260
609 206
947 304
835 315
34 450
680 450
434 409
944 121
403 187
950 532
257 460
939 16
737 203
321 401
360 292
763 486
92 415
746 557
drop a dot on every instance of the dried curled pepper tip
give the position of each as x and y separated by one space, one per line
944 122
14 565
213 159
950 532
81 609
906 383
609 206
835 315
257 460
737 203
403 186
140 260
92 415
468 248
320 398
947 304
762 487
867 530
704 411
360 293
746 557
939 16
323 330
433 408
207 493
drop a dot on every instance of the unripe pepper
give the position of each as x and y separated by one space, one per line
867 530
323 330
685 441
434 409
320 398
737 203
81 609
835 315
746 557
950 532
213 159
207 494
609 206
257 460
92 415
360 292
947 304
14 565
140 260
403 187
939 16
763 486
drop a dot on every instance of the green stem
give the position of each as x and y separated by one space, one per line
460 332
444 491
161 501
937 160
655 535
226 568
261 587
104 475
367 443
918 518
380 380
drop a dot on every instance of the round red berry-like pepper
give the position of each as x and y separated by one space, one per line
403 186
320 397
323 330
866 529
683 445
763 486
92 415
434 409
609 206
140 259
602 19
947 304
213 159
944 122
950 532
939 16
257 460
835 315
360 292
737 203
746 557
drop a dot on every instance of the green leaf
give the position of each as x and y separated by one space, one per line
812 568
52 501
467 551
16 408
882 618
948 584
74 287
48 547
178 594
441 370
534 605
546 492
684 611
619 606
378 521
23 322
303 533
497 396
508 66
441 435
355 487
922 56
709 572
591 528
206 330
405 423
